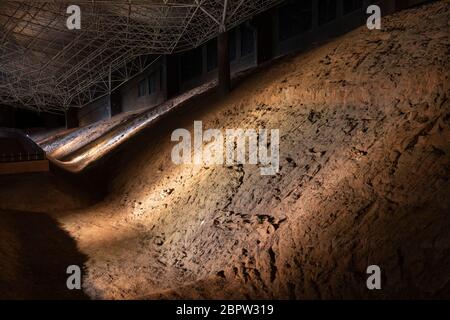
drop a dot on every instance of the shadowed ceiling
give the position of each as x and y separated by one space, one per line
44 66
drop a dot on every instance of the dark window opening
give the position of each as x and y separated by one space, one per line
191 64
232 45
327 11
211 54
247 40
141 88
352 5
152 82
294 18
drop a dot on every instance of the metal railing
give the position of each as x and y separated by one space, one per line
20 157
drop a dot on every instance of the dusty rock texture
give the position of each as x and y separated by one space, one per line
364 174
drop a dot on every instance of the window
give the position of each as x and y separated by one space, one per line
232 44
191 64
211 54
152 82
141 88
294 18
352 5
327 11
247 40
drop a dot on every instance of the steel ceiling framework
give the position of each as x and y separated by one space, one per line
44 66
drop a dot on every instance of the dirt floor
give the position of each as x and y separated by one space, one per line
364 179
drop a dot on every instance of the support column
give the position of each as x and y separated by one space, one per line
71 118
224 63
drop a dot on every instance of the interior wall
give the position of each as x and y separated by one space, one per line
316 30
95 111
275 32
239 59
7 117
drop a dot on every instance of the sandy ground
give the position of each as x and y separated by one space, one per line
364 153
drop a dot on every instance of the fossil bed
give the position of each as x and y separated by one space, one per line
364 125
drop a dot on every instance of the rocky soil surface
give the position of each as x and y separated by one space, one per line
364 175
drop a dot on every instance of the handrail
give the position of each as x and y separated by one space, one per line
22 157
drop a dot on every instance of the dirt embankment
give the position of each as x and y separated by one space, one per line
364 179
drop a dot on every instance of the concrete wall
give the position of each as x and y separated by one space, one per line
71 118
7 117
171 77
95 111
342 23
415 2
239 63
402 4
130 91
11 117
